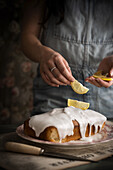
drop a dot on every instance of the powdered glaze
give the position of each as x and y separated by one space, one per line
62 120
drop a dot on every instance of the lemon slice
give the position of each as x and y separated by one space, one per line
78 104
78 87
99 74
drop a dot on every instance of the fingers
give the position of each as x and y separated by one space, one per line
56 71
105 84
63 69
99 82
53 77
49 78
93 81
57 74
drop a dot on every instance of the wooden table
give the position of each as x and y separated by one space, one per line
101 165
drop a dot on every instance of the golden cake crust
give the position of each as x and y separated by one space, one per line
51 133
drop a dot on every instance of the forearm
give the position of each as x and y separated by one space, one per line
31 29
33 48
37 52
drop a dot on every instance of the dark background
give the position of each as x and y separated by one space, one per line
16 71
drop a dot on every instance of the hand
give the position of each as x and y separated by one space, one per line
106 66
55 70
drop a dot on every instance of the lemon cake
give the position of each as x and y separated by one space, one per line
64 124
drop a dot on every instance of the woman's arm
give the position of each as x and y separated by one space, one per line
31 29
37 52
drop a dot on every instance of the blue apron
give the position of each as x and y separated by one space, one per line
84 38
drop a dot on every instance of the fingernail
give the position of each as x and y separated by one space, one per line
97 80
86 80
64 84
69 68
73 80
111 74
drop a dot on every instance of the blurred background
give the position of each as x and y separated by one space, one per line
16 71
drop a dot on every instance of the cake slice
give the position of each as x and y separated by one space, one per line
64 124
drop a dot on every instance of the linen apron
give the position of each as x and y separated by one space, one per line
84 38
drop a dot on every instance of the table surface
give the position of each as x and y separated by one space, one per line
103 164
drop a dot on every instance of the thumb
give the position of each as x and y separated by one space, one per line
111 72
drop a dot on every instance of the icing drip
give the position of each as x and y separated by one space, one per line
61 118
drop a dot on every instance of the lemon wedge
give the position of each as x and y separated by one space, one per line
78 87
99 74
78 104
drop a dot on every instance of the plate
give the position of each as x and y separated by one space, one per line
104 136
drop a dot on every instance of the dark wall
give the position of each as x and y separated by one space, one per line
16 71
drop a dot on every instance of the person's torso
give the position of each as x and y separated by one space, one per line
84 38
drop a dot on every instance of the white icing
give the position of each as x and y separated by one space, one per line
94 138
61 118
